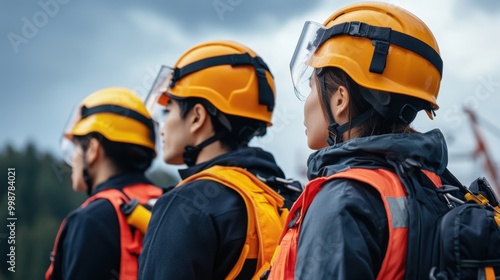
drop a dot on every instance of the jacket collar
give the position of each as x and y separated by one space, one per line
253 159
427 149
120 181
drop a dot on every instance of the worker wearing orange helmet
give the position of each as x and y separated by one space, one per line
109 143
365 72
224 219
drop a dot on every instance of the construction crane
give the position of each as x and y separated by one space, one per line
481 149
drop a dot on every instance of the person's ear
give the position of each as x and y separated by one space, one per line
94 151
340 105
198 117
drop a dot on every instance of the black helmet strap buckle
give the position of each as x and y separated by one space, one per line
334 136
407 113
266 96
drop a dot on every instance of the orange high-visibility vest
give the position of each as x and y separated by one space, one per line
394 198
265 216
130 243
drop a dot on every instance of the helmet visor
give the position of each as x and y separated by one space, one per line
311 36
66 144
157 96
67 150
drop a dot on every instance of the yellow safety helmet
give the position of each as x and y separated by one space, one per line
379 45
116 113
227 74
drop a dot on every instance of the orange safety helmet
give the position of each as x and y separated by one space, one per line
380 46
116 113
227 74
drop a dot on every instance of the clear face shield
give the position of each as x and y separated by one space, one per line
67 148
157 98
310 38
67 143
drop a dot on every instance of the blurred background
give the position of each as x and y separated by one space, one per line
56 52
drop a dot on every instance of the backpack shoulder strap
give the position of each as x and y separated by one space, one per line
115 197
48 273
394 199
143 192
130 243
265 220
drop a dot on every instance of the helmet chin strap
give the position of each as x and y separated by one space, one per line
334 136
87 180
335 131
191 153
86 176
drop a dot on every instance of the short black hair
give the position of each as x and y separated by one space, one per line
242 129
126 157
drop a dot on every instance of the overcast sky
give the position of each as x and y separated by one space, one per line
56 52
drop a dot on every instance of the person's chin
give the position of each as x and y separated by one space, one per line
78 188
172 160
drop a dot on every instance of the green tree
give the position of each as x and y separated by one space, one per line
43 197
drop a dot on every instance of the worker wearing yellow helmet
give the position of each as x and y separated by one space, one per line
365 73
109 143
224 219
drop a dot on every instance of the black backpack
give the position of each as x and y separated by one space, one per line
454 231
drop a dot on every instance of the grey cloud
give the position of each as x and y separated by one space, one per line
45 33
62 50
243 15
491 7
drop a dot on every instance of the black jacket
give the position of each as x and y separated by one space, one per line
344 234
197 231
89 245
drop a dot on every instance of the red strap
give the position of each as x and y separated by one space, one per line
286 256
48 274
130 244
434 178
128 259
285 260
302 203
130 241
